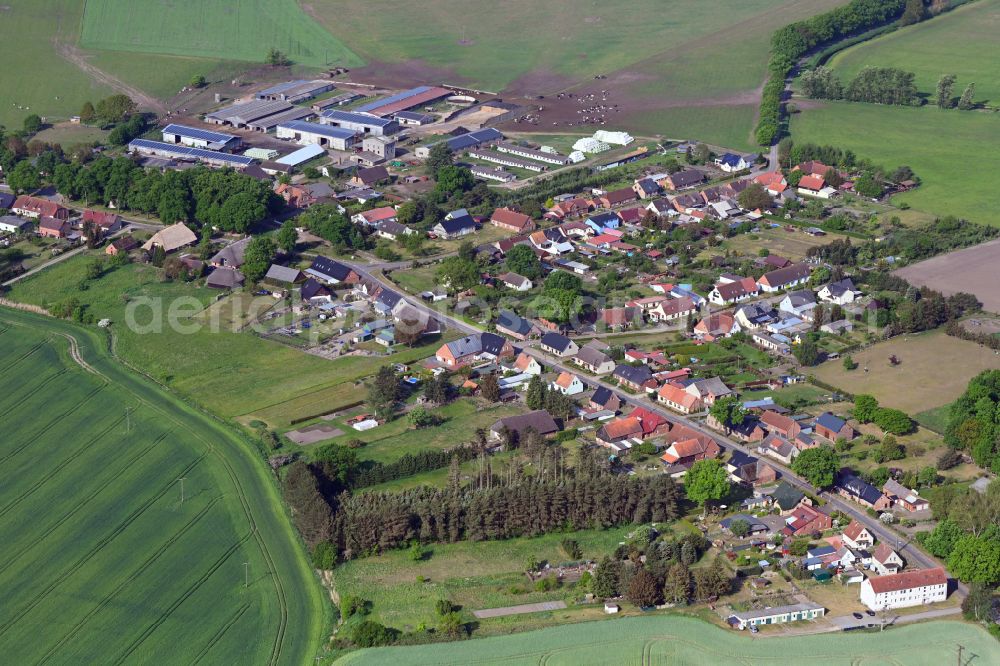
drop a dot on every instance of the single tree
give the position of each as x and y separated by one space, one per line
440 156
643 590
728 411
535 395
288 236
754 197
945 91
276 58
197 81
257 258
32 123
383 392
966 101
865 408
87 113
677 588
706 480
818 466
807 353
739 527
607 577
489 388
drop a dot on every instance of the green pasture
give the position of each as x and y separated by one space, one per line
104 561
949 150
475 575
33 77
221 29
229 373
962 42
676 640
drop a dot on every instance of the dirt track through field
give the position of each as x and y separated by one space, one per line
72 54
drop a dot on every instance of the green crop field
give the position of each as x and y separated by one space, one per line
962 42
675 640
104 561
949 150
225 29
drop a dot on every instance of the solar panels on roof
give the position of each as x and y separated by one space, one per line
196 133
330 131
281 87
179 151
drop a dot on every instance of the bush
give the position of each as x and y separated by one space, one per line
373 634
893 421
351 605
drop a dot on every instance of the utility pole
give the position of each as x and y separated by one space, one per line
246 575
960 648
182 488
128 420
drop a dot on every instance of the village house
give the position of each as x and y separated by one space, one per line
15 225
885 560
511 220
594 360
539 420
683 453
799 303
124 244
673 309
315 292
645 188
373 216
516 282
682 179
903 497
53 227
910 588
284 276
370 176
617 197
709 390
636 378
805 520
778 424
783 278
640 425
332 272
776 343
570 208
455 224
36 207
730 162
558 345
528 365
749 470
510 323
618 319
858 490
841 292
815 186
857 536
472 348
772 181
717 326
676 398
605 399
833 427
568 384
779 448
733 289
755 315
106 221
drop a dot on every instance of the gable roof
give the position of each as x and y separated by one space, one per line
786 496
677 395
540 420
457 223
591 356
171 238
556 341
854 530
638 375
855 485
514 279
811 182
777 421
908 580
686 177
331 268
620 428
232 254
510 321
511 218
283 273
828 420
604 396
883 552
566 379
782 276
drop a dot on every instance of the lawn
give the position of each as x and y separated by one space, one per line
946 149
386 443
68 134
928 50
102 550
935 369
473 575
229 373
30 27
218 29
792 245
173 72
678 640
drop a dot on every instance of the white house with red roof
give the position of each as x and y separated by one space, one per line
902 590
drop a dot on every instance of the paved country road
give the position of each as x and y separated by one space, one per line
909 551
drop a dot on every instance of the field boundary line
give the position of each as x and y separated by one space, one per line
148 562
98 547
9 560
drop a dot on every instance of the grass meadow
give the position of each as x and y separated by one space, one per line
948 149
961 42
934 370
231 374
105 562
677 640
222 29
33 75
